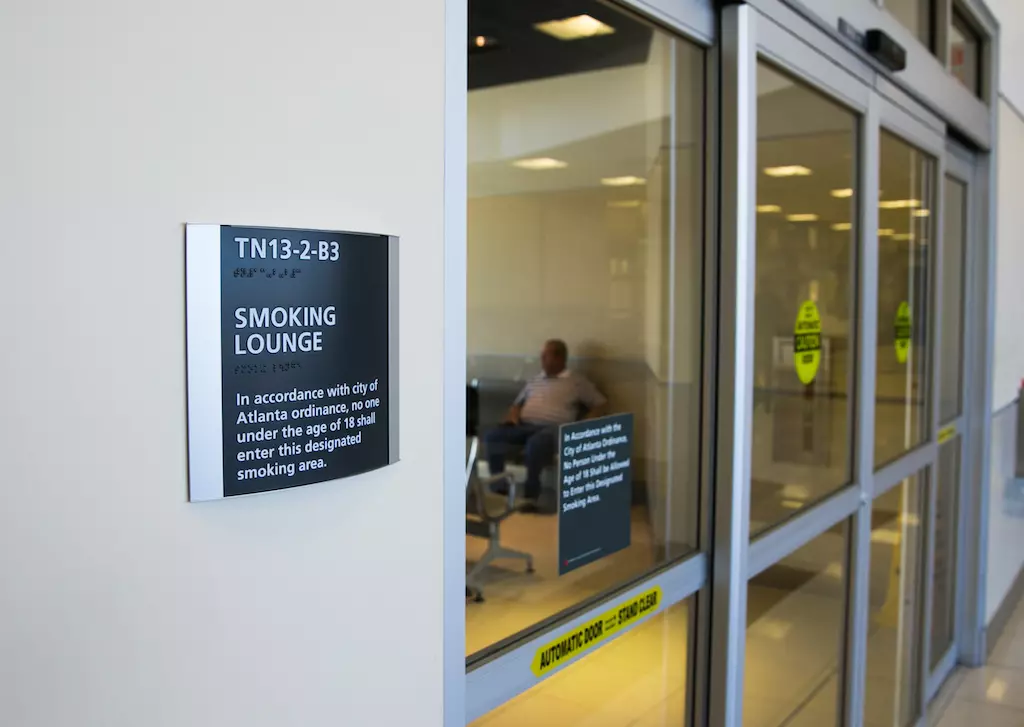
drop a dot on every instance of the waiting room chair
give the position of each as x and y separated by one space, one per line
484 521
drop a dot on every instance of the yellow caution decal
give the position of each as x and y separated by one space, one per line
947 433
570 645
807 342
903 330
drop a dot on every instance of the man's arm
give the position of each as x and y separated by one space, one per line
594 400
515 412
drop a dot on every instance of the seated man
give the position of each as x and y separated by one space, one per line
555 396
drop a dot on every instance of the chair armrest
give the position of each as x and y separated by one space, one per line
483 489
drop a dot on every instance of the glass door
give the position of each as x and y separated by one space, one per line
950 394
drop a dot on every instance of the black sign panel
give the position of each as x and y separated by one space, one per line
304 321
596 482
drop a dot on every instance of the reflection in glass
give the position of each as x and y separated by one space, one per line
907 185
585 225
803 340
639 680
796 613
894 630
965 53
951 306
918 16
944 562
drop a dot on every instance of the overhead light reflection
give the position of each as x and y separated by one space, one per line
627 181
540 163
792 170
899 204
574 28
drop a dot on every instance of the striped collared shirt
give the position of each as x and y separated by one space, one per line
557 399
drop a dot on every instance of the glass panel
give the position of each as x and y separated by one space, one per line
917 15
965 53
944 564
803 340
796 613
951 306
907 184
585 226
897 548
639 679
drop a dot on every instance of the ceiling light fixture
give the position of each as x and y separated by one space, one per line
624 204
921 213
627 181
886 232
842 226
803 217
540 163
792 170
842 193
574 28
767 208
899 204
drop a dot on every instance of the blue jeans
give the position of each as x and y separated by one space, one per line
540 442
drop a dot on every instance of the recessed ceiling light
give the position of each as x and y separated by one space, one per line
540 163
769 208
921 213
803 217
574 28
793 170
899 204
886 232
842 193
624 204
842 226
627 181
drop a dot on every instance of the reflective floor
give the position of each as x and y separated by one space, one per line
992 696
795 624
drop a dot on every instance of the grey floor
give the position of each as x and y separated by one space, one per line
990 696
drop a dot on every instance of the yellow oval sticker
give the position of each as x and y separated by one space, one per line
903 330
807 342
586 636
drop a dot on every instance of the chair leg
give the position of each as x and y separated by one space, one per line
495 550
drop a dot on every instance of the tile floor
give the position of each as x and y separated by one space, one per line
991 696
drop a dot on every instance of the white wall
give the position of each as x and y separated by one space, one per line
1005 514
121 604
1008 363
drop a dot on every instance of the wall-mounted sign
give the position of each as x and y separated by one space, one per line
292 359
596 489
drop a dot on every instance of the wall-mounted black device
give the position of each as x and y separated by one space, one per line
885 50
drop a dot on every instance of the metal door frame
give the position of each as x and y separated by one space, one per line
735 35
